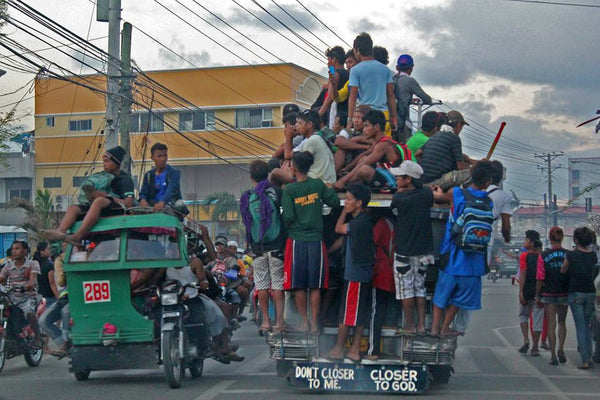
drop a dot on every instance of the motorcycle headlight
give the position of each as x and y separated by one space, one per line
168 299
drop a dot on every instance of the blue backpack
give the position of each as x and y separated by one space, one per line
472 230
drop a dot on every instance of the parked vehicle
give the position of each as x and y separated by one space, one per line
16 334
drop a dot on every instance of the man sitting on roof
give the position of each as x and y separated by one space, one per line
383 151
160 186
102 191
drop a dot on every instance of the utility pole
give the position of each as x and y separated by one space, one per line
125 94
548 158
114 65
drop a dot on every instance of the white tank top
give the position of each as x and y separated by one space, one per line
184 276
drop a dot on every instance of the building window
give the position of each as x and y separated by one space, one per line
142 122
81 125
50 122
50 183
574 191
575 175
254 118
78 180
196 121
19 194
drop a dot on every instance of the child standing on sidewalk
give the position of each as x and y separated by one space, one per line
359 257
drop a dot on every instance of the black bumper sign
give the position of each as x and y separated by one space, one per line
366 378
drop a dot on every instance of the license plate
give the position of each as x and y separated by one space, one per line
366 378
96 291
170 314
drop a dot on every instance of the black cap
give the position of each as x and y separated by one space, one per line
116 155
532 235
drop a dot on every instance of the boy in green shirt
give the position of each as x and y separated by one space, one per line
305 261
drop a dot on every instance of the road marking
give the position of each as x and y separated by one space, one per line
464 361
215 390
534 371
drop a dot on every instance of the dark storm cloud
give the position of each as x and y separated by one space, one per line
499 91
237 16
366 25
522 42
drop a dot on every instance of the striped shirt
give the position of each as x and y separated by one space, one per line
440 155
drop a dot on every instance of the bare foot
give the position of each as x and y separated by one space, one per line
53 234
355 357
303 327
449 333
74 240
334 354
281 327
265 328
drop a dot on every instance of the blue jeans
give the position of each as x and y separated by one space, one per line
582 308
59 310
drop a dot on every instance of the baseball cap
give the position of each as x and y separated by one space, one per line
232 243
221 240
455 116
405 61
409 168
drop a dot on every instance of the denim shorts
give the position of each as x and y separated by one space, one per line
555 300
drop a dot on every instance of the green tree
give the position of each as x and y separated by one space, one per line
40 214
223 204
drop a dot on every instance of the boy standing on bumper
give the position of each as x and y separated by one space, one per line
414 243
305 262
359 257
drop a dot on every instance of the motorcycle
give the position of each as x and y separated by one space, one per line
493 275
16 334
177 352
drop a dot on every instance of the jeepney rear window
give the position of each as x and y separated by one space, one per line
98 246
152 243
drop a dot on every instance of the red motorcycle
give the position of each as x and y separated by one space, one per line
16 334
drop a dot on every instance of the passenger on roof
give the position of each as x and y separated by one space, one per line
102 191
430 125
323 168
383 151
329 109
161 185
341 95
442 154
372 83
405 87
289 114
351 143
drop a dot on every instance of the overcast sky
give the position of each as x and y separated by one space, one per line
534 66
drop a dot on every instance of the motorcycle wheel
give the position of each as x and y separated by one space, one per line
33 358
82 375
2 351
172 361
196 367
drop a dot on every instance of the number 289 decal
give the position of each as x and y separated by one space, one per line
96 291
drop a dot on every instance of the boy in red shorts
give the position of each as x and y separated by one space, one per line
359 257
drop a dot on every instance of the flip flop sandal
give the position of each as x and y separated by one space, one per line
561 357
553 361
534 353
524 348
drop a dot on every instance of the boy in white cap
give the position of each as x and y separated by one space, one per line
413 243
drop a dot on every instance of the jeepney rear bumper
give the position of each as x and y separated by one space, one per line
109 358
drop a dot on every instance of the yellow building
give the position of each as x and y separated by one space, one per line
70 124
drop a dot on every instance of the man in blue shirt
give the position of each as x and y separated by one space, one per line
161 184
459 282
371 82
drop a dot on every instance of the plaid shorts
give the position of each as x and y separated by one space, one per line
27 304
409 275
268 272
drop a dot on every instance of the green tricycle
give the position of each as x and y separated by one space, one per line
113 329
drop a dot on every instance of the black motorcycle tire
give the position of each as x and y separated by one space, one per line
33 358
196 367
172 361
3 352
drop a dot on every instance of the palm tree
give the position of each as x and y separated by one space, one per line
222 204
39 212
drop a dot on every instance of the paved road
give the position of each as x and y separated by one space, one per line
487 367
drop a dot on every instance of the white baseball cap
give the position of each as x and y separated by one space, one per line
232 243
409 168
